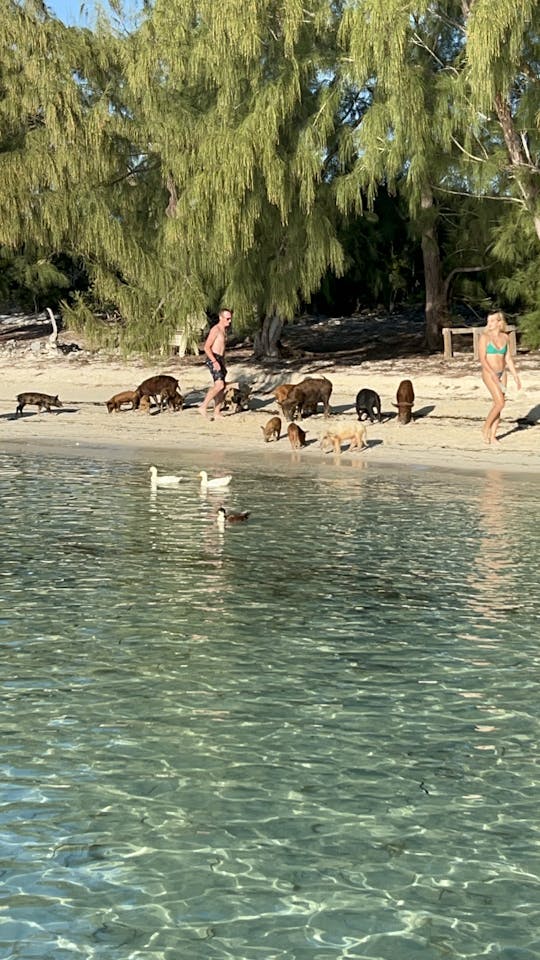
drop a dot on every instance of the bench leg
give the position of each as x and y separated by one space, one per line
447 340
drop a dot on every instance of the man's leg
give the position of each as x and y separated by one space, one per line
212 394
218 400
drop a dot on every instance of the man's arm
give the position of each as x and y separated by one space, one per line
208 344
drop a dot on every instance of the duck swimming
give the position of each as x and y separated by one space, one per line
215 481
163 480
223 517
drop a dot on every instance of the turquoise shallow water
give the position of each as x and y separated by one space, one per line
314 736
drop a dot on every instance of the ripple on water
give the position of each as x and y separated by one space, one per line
314 736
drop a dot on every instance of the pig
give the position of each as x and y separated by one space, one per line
296 435
39 399
237 396
282 392
304 398
353 432
368 403
161 388
175 402
405 401
272 429
115 403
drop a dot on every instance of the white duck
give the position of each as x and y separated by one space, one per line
163 480
215 481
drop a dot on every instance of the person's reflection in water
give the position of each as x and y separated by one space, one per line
491 576
493 591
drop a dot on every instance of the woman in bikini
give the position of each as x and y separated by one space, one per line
495 357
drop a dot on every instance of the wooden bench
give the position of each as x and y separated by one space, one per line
449 332
178 344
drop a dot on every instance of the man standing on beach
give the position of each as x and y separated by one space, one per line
214 348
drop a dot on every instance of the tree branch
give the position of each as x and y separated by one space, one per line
453 273
422 43
132 173
173 196
471 156
479 196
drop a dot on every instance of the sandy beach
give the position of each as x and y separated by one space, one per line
450 406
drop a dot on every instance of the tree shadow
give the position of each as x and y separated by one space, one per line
356 339
266 383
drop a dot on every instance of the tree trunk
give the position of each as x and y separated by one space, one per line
437 315
525 172
524 169
266 342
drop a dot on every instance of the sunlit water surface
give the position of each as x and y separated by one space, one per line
313 736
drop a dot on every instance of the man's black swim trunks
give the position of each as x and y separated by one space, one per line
217 374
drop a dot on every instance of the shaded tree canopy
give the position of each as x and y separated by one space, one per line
270 154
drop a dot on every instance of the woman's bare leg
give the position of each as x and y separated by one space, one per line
494 416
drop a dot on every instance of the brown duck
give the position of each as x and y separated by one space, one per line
223 517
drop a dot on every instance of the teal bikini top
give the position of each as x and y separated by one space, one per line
491 348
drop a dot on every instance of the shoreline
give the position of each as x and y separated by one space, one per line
450 406
168 456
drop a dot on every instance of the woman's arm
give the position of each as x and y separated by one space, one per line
512 367
482 344
482 356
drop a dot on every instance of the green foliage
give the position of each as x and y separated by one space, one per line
516 246
381 260
100 330
502 79
29 283
235 96
501 43
229 151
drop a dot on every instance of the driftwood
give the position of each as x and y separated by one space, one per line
54 335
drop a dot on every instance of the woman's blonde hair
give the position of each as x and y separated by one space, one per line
500 317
